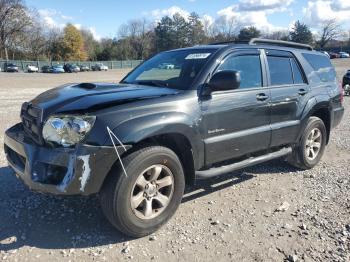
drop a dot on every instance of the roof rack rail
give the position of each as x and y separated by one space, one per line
230 42
254 41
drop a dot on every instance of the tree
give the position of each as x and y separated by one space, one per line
73 44
90 44
14 19
278 35
180 31
139 36
247 33
196 30
226 29
35 43
164 34
54 44
329 31
301 33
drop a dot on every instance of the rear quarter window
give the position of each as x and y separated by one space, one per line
322 67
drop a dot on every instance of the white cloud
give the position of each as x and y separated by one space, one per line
249 18
260 5
94 33
157 14
319 11
207 20
78 26
53 18
340 5
245 12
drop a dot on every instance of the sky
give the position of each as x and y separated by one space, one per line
104 17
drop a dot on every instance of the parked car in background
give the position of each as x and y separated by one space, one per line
326 53
346 83
71 68
84 68
10 67
46 69
333 55
344 55
57 69
32 69
99 67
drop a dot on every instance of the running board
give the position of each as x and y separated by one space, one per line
216 171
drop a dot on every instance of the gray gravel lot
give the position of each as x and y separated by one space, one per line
271 212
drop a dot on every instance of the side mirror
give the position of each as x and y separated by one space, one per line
225 80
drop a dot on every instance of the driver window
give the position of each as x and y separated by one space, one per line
249 67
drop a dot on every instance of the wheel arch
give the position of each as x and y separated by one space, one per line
173 130
318 108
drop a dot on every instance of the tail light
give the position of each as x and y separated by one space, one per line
342 92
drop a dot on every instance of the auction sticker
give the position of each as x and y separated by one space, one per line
198 56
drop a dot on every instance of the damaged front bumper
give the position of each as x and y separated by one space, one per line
62 171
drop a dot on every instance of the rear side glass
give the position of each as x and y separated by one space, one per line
322 66
280 70
298 77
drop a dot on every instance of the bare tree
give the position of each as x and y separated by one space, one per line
277 35
138 33
226 28
35 42
330 30
14 18
54 38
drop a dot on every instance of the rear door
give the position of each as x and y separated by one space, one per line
289 95
237 122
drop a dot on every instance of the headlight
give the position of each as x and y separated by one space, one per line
67 130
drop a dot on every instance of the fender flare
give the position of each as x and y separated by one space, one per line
314 104
135 130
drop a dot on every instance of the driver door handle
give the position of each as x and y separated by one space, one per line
262 97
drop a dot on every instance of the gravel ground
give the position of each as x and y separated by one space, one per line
271 212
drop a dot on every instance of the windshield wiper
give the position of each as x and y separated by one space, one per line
158 83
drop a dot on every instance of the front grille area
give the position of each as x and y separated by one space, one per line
32 122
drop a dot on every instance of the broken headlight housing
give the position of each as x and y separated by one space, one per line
67 130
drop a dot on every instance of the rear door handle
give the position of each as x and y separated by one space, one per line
262 97
302 92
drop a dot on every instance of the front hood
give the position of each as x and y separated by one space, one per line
93 96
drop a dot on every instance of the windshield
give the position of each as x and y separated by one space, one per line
175 69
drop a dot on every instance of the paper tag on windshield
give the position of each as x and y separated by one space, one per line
198 56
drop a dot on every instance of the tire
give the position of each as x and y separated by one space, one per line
302 156
118 191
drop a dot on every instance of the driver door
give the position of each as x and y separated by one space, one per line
237 122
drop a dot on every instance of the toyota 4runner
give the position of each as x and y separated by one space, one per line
220 108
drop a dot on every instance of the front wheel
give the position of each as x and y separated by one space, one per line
309 151
139 202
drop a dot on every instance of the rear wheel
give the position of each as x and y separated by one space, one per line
140 202
310 148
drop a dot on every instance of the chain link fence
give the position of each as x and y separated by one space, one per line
22 65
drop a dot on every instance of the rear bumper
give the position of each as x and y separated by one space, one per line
337 116
60 171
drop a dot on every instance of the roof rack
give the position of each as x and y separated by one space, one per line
254 41
230 42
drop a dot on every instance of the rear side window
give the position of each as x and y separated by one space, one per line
249 67
280 70
322 66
